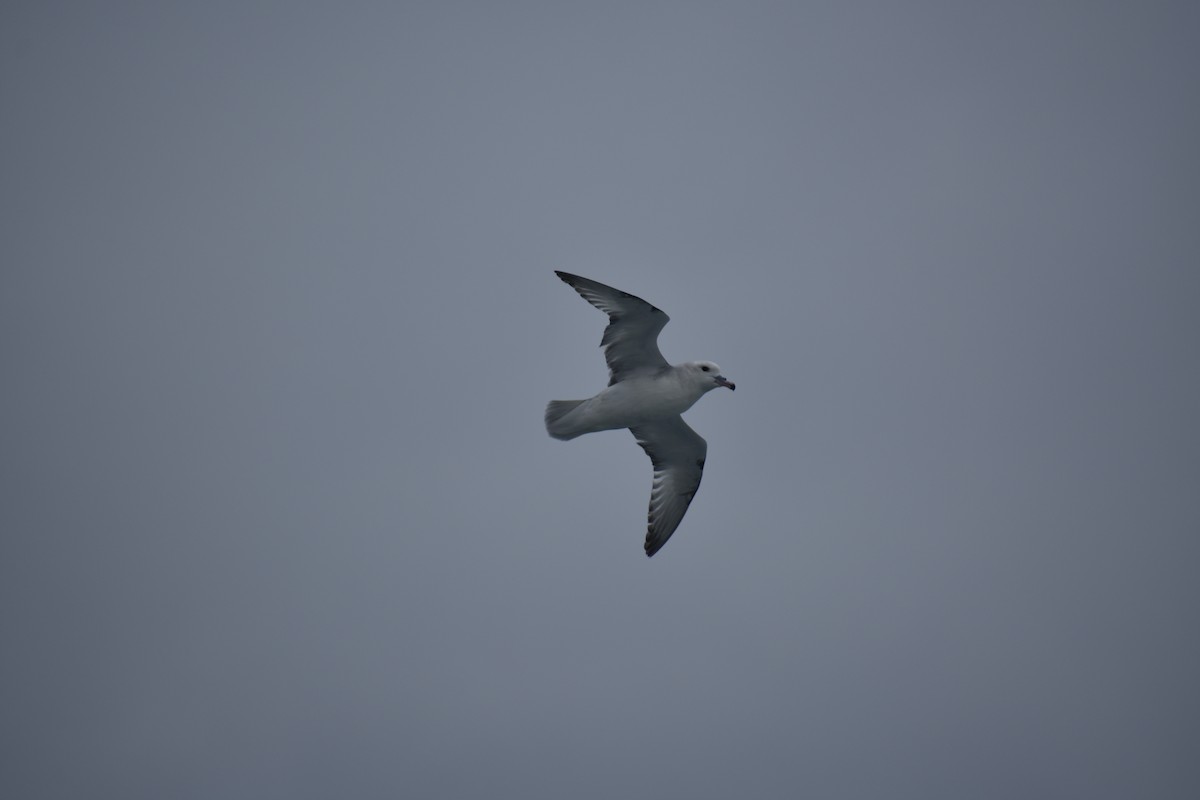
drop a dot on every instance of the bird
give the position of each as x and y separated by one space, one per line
646 395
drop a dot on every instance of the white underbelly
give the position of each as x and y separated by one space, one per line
638 400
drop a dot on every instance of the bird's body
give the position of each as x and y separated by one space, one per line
646 395
634 401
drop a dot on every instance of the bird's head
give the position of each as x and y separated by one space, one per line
708 375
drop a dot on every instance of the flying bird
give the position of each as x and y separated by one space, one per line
646 395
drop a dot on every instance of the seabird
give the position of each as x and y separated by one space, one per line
646 395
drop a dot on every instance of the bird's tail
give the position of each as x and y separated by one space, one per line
557 424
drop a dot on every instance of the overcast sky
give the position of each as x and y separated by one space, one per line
278 322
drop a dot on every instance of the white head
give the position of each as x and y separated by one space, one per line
707 375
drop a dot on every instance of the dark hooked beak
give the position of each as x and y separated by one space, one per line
720 379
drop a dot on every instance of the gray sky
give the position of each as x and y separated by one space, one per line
278 322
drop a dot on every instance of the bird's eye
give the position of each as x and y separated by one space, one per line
704 369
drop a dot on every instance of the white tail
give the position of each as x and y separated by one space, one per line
556 423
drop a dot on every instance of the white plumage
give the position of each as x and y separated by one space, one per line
646 395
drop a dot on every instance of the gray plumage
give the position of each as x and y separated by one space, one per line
646 395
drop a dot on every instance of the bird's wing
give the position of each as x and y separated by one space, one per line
677 453
631 339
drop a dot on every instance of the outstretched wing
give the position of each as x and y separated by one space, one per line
677 453
631 339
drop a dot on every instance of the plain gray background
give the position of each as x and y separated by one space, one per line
278 323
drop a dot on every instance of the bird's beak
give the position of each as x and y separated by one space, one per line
720 379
